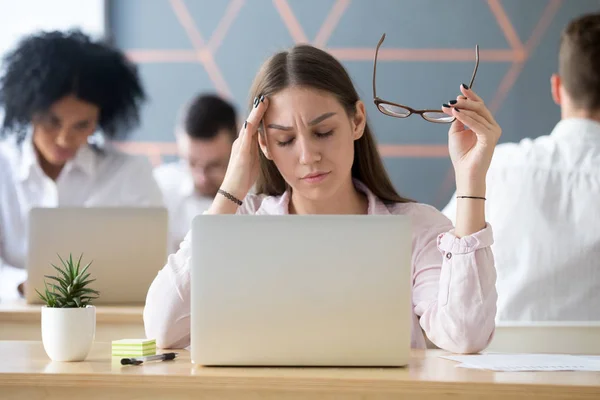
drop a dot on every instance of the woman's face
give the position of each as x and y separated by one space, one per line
310 138
59 132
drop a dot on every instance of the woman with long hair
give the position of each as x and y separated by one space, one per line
307 148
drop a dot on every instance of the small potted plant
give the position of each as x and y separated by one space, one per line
68 318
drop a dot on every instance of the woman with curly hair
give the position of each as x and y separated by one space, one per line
58 92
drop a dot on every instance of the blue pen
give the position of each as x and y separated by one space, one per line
140 360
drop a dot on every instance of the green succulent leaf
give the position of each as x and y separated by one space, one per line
78 263
59 280
70 287
62 272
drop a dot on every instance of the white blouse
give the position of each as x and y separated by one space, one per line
94 178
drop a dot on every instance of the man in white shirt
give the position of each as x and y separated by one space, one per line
59 90
204 133
543 198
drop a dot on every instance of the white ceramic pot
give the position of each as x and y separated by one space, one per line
68 333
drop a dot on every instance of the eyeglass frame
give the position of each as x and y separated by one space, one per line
378 100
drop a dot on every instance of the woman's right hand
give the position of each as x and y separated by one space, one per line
242 170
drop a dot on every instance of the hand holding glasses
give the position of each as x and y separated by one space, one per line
471 139
403 111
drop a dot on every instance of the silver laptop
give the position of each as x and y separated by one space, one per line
301 290
128 246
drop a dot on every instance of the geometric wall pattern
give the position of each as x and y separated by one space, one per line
188 46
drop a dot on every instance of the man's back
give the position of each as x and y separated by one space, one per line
544 206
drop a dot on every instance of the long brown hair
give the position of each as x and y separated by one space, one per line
307 66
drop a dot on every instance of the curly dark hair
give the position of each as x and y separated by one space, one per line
48 66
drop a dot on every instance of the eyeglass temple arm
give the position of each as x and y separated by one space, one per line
476 66
375 65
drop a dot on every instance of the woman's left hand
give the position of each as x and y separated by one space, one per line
472 139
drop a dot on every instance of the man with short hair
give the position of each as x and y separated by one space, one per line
543 198
205 133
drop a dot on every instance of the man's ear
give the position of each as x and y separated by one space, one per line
262 142
359 120
555 86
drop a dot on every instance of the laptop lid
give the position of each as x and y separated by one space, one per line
128 246
301 290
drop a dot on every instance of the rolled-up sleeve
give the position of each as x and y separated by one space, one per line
167 309
454 288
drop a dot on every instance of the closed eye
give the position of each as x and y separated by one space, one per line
52 121
319 135
324 134
83 125
285 143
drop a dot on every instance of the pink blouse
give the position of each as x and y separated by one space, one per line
453 293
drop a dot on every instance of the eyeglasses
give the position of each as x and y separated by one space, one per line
402 111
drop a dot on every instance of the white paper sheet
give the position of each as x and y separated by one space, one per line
527 362
596 358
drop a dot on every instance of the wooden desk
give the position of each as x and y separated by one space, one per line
27 373
21 321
